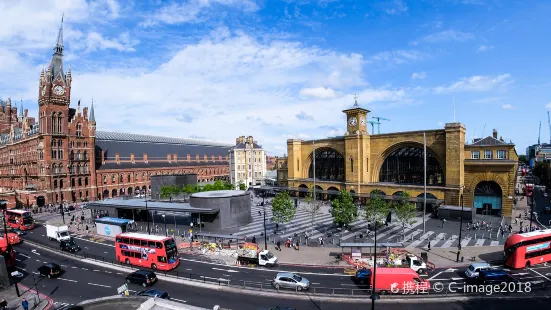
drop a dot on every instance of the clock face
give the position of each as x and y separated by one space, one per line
58 90
352 121
43 90
362 120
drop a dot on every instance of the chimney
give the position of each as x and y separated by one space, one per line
188 157
132 159
117 158
168 157
145 158
495 134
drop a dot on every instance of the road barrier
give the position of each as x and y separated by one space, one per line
359 292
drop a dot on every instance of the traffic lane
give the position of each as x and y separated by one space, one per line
541 203
78 282
81 281
187 268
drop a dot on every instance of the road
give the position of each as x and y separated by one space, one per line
541 202
83 281
322 279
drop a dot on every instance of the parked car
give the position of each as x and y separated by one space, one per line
144 278
290 280
154 293
50 270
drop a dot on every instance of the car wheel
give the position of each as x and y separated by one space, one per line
144 284
528 264
127 261
384 292
153 266
420 271
299 288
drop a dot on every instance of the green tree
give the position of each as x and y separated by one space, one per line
404 210
169 191
283 209
218 185
208 188
242 186
522 158
312 207
376 210
343 209
228 186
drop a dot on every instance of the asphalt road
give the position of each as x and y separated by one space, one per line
541 202
323 280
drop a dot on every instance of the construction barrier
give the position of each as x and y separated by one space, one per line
187 245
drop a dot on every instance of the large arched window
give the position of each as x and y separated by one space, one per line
329 165
405 165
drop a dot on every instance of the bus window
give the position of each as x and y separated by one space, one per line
161 259
151 244
125 253
119 239
125 240
136 242
159 245
137 255
144 243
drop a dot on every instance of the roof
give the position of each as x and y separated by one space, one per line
113 221
18 211
132 137
536 233
151 205
244 146
159 164
219 194
490 141
143 236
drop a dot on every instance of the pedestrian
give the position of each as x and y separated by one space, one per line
3 304
253 240
25 304
443 221
278 245
429 245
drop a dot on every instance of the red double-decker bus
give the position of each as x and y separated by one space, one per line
9 257
20 219
529 189
155 252
528 249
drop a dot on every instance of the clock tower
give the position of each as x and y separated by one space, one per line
356 119
357 145
54 92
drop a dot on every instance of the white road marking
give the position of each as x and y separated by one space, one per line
24 255
226 275
225 270
74 267
179 300
67 280
34 252
546 278
100 285
107 271
316 283
188 269
105 253
84 269
38 260
96 270
436 275
349 285
17 259
20 268
457 279
63 266
42 235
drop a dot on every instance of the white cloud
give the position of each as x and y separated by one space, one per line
445 36
507 106
484 48
441 124
419 75
548 106
319 92
95 41
477 83
394 7
193 11
396 57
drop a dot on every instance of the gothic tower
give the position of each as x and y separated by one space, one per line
54 93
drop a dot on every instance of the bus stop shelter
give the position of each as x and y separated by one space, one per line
111 226
225 239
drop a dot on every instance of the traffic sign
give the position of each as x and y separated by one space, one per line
123 288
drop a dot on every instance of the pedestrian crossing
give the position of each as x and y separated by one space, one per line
322 226
60 305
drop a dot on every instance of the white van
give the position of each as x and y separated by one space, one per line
474 269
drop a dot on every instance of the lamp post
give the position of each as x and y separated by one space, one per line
374 296
460 227
147 212
62 212
164 220
264 209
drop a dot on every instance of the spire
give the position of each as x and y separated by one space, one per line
59 43
21 110
92 117
356 105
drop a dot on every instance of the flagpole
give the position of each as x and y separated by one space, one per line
425 181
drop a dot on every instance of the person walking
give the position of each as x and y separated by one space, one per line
3 304
25 304
278 244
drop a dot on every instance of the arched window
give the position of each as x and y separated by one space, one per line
78 155
60 168
73 182
405 165
60 183
59 122
85 155
104 179
79 182
79 167
86 170
54 142
351 164
112 178
329 165
129 178
60 154
72 169
120 178
60 143
55 183
85 181
72 155
41 155
79 130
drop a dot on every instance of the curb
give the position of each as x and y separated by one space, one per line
44 297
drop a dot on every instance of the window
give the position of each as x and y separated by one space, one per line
73 182
298 164
475 155
351 164
72 155
113 179
41 155
78 155
501 155
79 130
85 155
120 178
60 154
104 179
79 182
487 154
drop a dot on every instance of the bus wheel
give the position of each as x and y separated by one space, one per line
384 292
127 261
153 266
528 264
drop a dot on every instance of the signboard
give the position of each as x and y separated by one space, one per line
123 288
107 230
356 252
537 247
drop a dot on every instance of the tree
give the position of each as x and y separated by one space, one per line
283 209
169 191
522 158
242 186
311 207
404 210
376 210
343 209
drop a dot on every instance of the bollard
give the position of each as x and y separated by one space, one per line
462 258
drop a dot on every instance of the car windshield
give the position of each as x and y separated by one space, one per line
269 255
70 242
63 234
471 268
170 244
297 278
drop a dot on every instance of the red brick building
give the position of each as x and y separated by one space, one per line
63 158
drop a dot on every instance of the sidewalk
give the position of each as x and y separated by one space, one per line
14 302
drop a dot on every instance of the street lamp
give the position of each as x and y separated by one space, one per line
62 212
164 220
147 212
264 209
374 296
460 227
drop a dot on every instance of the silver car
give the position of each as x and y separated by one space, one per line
290 280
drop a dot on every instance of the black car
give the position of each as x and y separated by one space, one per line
69 246
18 231
494 276
154 293
50 270
144 278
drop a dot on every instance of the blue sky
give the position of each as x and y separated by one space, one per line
218 69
